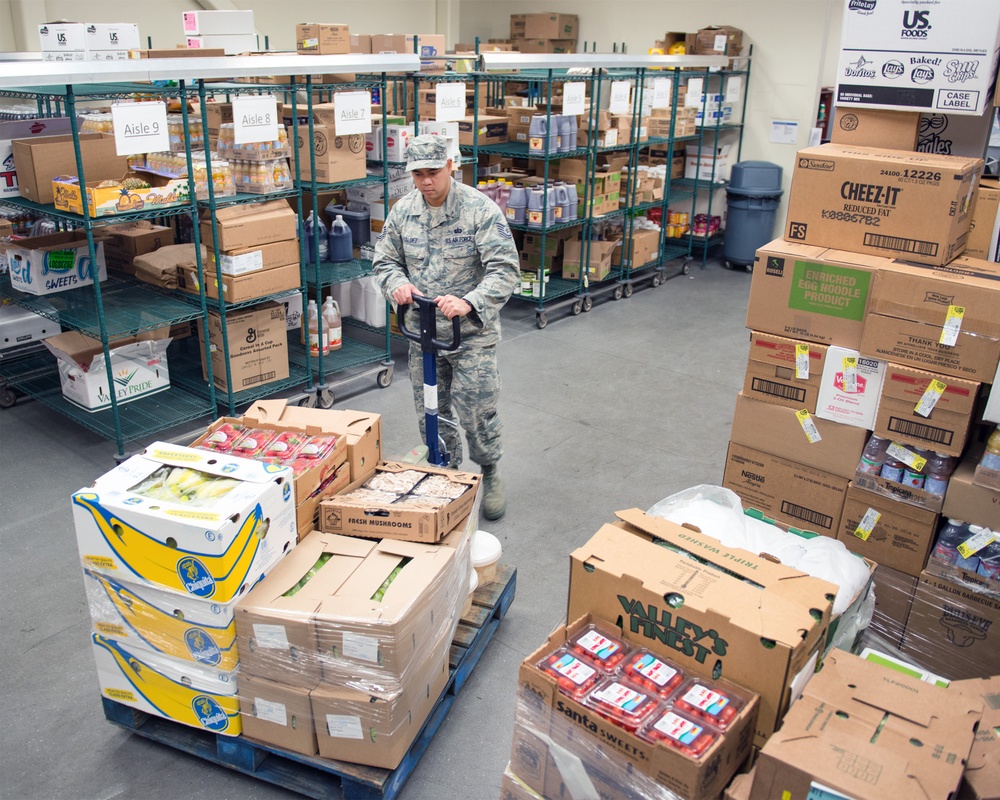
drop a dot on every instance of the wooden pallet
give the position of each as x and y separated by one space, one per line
325 779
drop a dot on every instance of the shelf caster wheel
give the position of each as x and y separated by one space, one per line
686 269
656 281
749 268
619 291
541 320
588 303
325 399
384 378
576 308
7 397
727 264
309 401
628 289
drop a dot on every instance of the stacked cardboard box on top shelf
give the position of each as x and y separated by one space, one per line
867 316
546 32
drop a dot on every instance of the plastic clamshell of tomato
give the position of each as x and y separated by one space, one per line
284 447
253 443
653 674
317 447
574 676
678 730
706 703
622 702
223 438
599 645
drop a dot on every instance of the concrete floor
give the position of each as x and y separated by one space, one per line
616 408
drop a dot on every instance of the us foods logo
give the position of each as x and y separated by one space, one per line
860 69
915 24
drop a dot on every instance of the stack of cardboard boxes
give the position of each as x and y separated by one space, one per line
547 32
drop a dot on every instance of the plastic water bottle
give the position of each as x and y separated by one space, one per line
874 455
317 224
315 339
937 473
333 324
951 536
341 241
991 458
892 470
516 204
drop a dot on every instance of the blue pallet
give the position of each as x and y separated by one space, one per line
325 779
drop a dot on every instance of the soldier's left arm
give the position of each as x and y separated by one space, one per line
498 254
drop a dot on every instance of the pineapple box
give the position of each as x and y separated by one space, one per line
132 193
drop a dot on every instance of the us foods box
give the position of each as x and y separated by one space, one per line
187 521
882 202
756 623
864 731
811 293
942 319
934 56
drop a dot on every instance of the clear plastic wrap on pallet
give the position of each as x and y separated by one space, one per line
718 512
360 614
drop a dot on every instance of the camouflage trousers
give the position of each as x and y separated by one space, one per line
468 386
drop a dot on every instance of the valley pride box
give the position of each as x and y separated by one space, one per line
190 521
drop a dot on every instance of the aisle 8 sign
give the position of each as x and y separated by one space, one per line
255 119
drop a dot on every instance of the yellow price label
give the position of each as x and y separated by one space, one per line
850 367
808 426
952 326
867 524
930 398
977 542
802 361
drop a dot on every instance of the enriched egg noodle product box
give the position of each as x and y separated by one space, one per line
942 319
167 688
891 203
186 520
766 635
865 731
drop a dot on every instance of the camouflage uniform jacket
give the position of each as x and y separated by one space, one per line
469 254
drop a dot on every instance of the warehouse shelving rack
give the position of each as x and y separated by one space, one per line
120 307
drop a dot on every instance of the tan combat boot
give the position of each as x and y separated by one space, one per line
494 496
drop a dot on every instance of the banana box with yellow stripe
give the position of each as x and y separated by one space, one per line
199 523
186 628
166 687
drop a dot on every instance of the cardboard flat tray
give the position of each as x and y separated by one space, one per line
312 776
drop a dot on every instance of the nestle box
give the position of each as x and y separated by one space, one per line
579 727
811 293
41 159
777 430
274 622
882 202
246 226
850 388
894 55
775 374
774 626
984 230
893 597
492 130
870 127
338 158
123 242
901 538
551 26
54 263
360 517
790 493
982 771
258 347
911 306
953 628
277 713
969 502
179 536
944 424
377 728
320 38
872 717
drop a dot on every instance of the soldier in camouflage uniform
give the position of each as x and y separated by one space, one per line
450 242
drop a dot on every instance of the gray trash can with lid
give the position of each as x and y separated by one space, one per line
753 195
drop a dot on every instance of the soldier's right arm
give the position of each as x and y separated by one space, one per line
389 264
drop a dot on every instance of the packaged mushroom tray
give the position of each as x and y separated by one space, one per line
402 501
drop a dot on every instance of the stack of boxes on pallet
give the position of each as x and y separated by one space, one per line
546 32
875 338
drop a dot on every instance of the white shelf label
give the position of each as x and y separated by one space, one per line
140 128
449 103
354 112
696 88
662 92
620 93
255 119
574 97
734 89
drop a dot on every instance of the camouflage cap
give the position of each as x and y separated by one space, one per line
427 152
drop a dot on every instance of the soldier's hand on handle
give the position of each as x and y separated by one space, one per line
452 306
403 296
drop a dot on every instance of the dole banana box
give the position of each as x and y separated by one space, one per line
198 523
725 613
168 688
186 628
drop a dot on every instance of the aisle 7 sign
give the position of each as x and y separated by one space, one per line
354 112
255 119
140 128
449 102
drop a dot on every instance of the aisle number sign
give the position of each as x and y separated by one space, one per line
662 91
255 119
696 88
354 113
620 92
140 128
574 97
449 102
